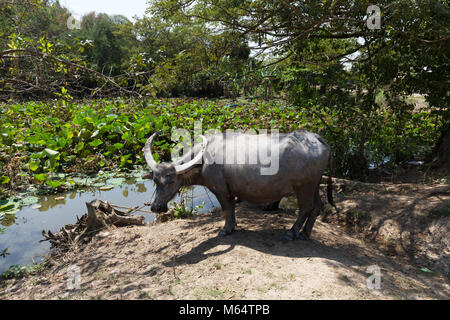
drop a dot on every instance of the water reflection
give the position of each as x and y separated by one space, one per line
8 219
53 212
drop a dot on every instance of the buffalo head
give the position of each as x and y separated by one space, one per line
169 177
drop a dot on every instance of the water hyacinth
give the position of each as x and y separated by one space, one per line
39 140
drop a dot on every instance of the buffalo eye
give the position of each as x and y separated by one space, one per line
170 178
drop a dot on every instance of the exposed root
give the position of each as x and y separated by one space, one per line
100 216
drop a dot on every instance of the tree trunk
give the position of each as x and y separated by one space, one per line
100 215
440 157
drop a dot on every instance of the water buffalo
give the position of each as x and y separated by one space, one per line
302 157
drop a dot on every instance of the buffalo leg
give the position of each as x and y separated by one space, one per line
318 206
228 206
226 199
306 205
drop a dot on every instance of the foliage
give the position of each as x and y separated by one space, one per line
17 271
181 210
7 217
332 63
319 55
111 55
47 139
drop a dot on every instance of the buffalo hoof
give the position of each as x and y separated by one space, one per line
303 236
224 232
288 236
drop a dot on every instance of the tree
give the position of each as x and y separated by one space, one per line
336 65
41 57
189 59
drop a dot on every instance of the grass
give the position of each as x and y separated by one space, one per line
33 281
277 286
100 275
356 216
211 293
103 275
272 286
359 215
216 293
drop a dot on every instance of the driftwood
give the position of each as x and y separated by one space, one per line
131 209
100 215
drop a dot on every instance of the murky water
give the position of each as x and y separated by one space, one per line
22 238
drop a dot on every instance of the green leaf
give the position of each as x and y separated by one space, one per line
126 136
40 177
9 218
118 146
7 207
34 165
4 179
69 134
95 143
79 147
53 184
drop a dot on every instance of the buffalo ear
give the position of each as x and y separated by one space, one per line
148 176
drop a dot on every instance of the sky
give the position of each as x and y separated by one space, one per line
128 8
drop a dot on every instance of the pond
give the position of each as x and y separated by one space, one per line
53 212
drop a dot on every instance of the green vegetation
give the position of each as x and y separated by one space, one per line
211 293
42 142
353 85
111 55
181 210
17 271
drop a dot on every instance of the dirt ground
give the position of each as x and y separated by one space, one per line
400 228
